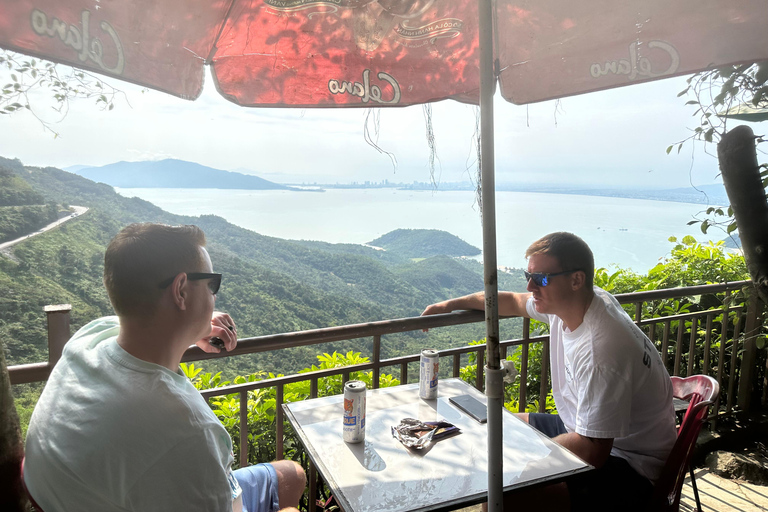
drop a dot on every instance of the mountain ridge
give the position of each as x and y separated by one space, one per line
173 173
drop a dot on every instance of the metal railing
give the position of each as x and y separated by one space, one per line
707 341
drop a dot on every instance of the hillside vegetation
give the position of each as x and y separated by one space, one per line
423 243
270 285
22 209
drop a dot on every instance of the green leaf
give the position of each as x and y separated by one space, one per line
669 148
731 227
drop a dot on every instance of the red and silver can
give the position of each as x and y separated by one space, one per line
354 411
428 368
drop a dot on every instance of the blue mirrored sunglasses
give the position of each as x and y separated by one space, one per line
542 278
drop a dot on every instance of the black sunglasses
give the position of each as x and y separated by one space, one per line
214 284
542 278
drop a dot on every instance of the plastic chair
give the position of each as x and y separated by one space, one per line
701 391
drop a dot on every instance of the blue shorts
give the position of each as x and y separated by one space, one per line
259 485
616 482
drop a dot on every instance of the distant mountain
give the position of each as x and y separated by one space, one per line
424 243
75 169
172 173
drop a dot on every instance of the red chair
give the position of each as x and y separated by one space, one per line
701 391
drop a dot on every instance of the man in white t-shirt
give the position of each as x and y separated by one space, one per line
118 427
612 392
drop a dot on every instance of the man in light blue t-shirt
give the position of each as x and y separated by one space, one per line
118 427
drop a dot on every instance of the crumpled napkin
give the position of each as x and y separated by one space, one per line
419 434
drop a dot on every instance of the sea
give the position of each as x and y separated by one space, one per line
623 233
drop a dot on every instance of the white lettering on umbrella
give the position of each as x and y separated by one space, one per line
80 39
637 66
365 90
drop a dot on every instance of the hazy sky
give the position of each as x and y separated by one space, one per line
615 138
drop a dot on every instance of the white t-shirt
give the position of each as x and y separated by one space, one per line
608 381
114 433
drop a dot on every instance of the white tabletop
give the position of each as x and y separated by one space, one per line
382 475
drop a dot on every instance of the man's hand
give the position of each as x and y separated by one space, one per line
436 309
222 327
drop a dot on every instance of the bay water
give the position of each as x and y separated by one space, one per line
626 233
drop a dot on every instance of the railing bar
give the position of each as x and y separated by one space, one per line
376 360
665 343
404 373
279 421
345 375
684 316
721 354
652 333
313 385
544 388
686 291
523 394
707 344
679 346
479 371
638 312
734 354
456 365
243 429
312 490
692 345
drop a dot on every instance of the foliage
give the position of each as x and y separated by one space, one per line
691 263
17 221
423 243
23 78
262 404
714 92
468 374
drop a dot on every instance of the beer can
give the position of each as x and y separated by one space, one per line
354 411
428 367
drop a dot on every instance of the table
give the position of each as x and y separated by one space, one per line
382 475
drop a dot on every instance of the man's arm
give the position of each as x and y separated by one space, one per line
510 304
592 450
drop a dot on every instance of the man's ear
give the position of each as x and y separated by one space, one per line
179 290
578 280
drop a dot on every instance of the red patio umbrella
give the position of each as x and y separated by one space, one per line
374 53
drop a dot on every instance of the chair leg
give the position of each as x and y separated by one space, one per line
695 490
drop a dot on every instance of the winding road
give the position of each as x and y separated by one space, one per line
79 210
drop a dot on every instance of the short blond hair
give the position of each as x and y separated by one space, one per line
570 251
143 255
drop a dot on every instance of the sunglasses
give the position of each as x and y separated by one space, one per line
542 278
214 284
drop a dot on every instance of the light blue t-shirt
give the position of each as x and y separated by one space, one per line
114 433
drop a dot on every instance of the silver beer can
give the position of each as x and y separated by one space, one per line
354 411
428 368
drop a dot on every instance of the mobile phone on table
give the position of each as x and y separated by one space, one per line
472 406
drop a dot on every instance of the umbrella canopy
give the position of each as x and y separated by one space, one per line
372 53
309 53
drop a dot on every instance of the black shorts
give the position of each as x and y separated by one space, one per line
614 486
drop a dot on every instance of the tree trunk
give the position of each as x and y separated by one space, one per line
741 176
13 498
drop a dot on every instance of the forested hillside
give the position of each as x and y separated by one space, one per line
270 285
21 208
423 243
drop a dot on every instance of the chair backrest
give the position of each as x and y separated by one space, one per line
701 391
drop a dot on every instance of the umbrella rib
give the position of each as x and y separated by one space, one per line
214 46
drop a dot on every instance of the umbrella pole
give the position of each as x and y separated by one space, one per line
493 374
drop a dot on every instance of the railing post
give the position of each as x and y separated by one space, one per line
58 330
748 375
